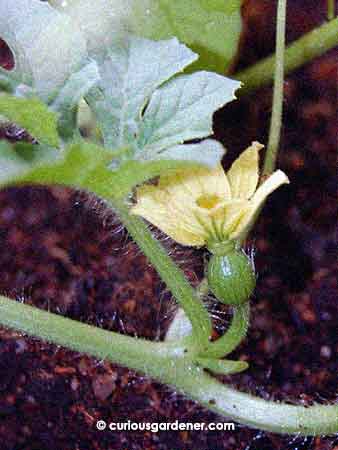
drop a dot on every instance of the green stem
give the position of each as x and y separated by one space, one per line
233 336
226 343
170 274
124 350
277 105
331 9
305 49
170 363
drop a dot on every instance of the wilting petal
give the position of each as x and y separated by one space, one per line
244 173
271 184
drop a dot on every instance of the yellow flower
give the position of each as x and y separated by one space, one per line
200 206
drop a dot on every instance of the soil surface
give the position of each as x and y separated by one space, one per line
64 252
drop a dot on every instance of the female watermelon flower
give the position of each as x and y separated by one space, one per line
202 206
208 207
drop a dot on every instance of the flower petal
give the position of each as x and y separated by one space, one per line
197 182
244 173
160 208
271 184
234 214
223 219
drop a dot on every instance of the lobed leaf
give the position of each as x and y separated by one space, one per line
139 104
207 153
210 27
129 76
182 109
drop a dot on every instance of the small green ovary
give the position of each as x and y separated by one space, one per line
231 277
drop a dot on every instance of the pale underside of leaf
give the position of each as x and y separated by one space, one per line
78 84
207 153
182 109
140 105
101 21
47 46
129 76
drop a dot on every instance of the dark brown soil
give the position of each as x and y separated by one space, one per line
63 251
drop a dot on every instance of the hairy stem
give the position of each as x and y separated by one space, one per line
170 274
124 350
303 50
99 179
170 363
277 105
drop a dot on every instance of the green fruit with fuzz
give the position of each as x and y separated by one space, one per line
231 277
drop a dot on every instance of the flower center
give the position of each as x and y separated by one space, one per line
208 201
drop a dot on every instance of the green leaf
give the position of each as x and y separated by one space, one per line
11 165
6 84
80 165
32 115
19 159
210 27
222 366
129 76
140 106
